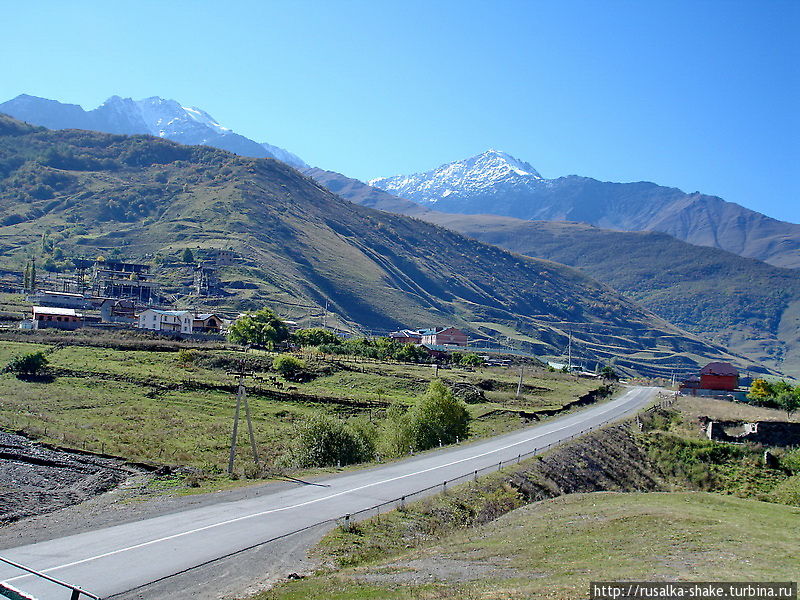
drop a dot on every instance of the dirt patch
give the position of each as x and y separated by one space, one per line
722 410
606 460
35 479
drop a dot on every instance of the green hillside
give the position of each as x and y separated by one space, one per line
301 246
744 304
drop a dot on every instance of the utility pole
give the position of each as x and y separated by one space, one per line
325 317
241 396
519 383
569 353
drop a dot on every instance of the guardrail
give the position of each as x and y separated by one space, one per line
76 592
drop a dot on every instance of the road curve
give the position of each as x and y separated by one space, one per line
116 559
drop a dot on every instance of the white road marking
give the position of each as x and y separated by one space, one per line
306 503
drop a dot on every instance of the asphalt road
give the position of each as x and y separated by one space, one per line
117 559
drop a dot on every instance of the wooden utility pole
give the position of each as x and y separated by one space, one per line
519 384
241 396
569 353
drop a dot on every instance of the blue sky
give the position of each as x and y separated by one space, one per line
692 94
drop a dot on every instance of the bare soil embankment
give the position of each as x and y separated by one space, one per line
36 479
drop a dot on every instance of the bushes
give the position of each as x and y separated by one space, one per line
186 357
381 348
315 337
291 367
692 461
27 365
436 417
470 359
324 441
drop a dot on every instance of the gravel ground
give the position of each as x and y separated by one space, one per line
47 493
35 479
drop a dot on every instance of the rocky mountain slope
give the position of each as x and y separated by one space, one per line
499 184
744 304
154 116
302 247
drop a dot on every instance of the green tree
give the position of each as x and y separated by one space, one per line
290 367
438 415
27 365
471 360
32 278
411 353
262 328
781 387
788 401
316 336
608 372
760 390
188 255
395 434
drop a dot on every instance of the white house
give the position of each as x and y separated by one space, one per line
178 321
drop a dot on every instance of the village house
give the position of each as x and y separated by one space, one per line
57 318
715 379
58 299
173 321
719 376
406 336
179 321
113 310
206 323
447 336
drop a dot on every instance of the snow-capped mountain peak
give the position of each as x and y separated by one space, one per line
461 178
154 116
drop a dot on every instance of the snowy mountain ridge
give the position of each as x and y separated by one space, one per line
479 174
154 116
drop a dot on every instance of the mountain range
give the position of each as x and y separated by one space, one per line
497 183
582 223
301 247
154 116
744 304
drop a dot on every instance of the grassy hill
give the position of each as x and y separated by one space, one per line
743 304
553 549
83 193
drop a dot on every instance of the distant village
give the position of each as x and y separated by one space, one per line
114 294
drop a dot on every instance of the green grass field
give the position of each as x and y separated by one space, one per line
148 406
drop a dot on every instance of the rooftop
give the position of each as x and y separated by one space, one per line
52 310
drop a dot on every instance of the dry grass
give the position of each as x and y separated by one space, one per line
729 411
